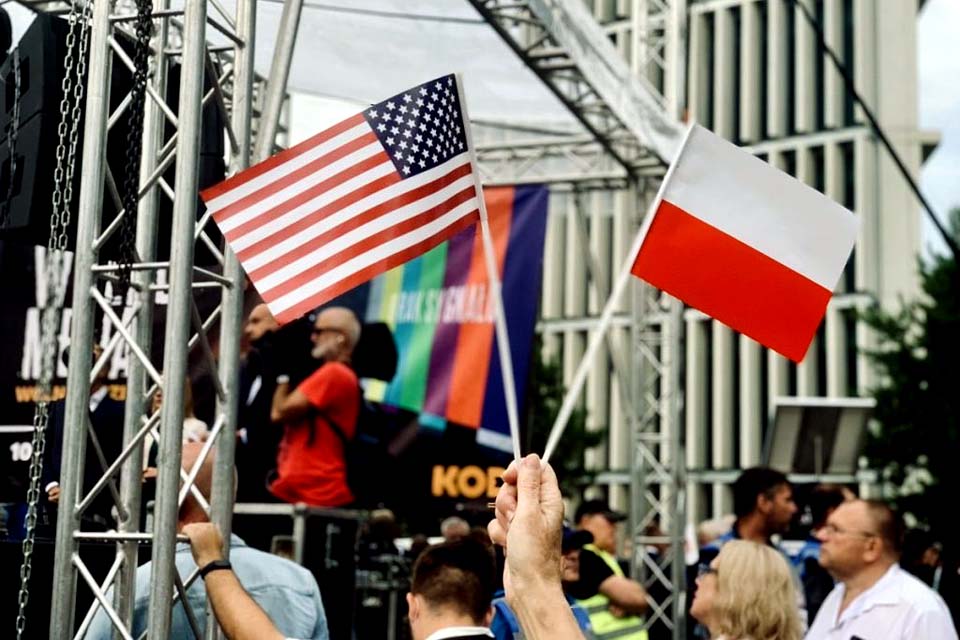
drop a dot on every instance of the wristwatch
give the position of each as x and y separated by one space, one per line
214 565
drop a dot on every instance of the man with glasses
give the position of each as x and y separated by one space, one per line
874 597
319 416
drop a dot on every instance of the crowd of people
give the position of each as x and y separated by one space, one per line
745 587
552 577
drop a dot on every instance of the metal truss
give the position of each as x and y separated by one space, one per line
658 53
564 46
578 160
178 36
630 112
657 474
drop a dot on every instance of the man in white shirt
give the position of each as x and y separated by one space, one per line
874 598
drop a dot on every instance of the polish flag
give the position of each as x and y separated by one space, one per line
746 243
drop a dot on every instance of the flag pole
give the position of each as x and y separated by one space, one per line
493 273
596 337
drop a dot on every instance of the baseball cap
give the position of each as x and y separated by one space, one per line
592 507
574 539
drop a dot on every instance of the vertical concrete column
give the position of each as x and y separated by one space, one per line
836 337
697 419
806 51
721 424
778 367
598 380
700 58
621 439
777 68
836 329
751 413
750 70
724 52
834 92
574 303
895 106
865 205
553 266
808 369
864 61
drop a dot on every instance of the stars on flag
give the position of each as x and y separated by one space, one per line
425 126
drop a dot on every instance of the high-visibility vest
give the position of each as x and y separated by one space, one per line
606 625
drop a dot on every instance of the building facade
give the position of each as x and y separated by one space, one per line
755 74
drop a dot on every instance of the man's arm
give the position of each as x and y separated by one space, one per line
528 523
240 617
932 623
288 405
625 593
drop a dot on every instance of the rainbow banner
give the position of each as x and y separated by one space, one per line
440 310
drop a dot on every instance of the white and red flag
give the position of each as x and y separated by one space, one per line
353 201
746 243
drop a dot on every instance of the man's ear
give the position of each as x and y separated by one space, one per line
873 550
413 606
763 504
488 618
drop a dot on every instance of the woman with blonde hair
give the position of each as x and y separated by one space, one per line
747 593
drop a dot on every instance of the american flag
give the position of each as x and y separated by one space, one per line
353 201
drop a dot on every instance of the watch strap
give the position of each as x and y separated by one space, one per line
214 565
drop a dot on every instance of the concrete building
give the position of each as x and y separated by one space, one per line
755 74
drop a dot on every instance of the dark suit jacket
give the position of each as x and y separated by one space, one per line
107 421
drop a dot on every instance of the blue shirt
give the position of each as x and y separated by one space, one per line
286 591
505 625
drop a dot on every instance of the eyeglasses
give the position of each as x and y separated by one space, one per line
831 529
704 569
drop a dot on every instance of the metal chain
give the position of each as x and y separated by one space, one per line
131 182
12 132
75 117
73 88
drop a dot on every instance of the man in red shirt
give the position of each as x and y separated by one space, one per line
311 463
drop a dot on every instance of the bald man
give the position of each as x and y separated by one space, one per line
319 417
287 592
874 598
258 438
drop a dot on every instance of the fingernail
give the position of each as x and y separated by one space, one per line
532 461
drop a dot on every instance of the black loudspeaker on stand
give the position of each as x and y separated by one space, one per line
26 194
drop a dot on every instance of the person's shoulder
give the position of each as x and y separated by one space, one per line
917 593
340 370
278 571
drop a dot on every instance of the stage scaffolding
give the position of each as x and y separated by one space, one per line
629 114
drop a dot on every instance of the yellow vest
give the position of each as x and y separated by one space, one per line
605 624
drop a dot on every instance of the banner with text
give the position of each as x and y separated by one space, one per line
440 310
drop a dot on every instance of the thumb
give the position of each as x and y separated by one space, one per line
528 485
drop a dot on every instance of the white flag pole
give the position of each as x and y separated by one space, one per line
493 273
596 337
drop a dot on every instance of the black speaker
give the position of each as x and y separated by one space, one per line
25 197
42 52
